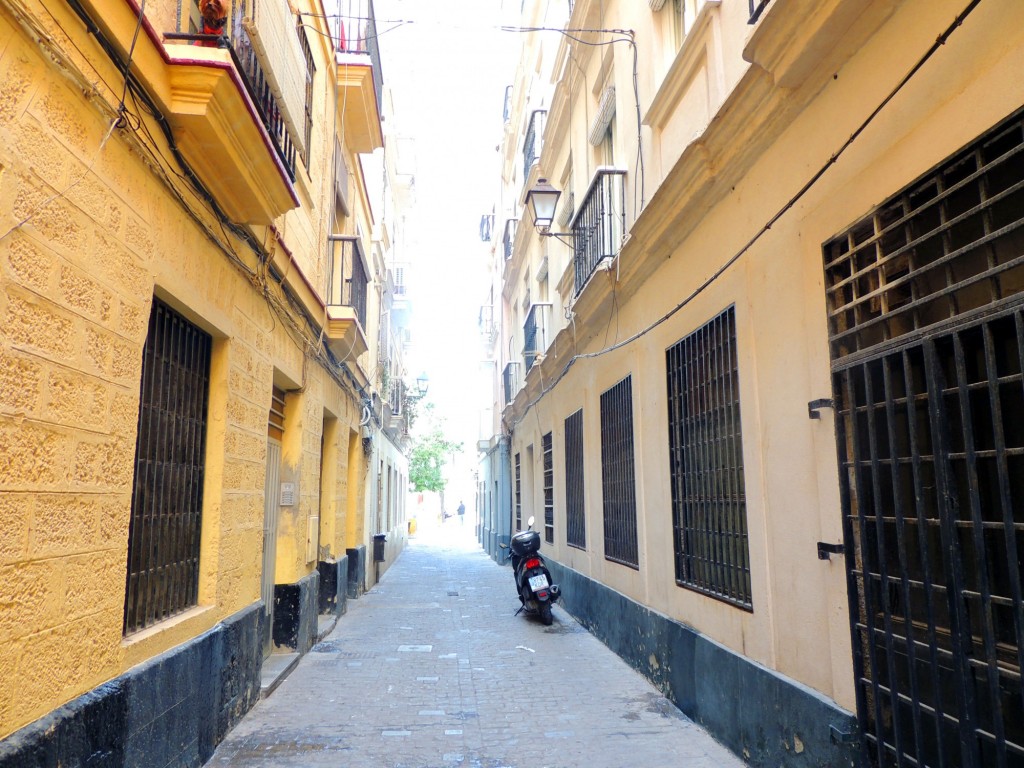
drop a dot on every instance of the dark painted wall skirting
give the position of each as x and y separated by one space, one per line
762 716
171 710
295 613
356 571
333 586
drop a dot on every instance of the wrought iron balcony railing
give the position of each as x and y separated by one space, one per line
756 9
235 37
536 333
534 141
509 238
354 29
599 224
396 397
347 281
510 378
247 63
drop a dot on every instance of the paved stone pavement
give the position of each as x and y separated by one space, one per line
431 668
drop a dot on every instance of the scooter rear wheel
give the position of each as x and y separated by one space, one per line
545 613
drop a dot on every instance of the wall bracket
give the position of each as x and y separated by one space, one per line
826 550
814 405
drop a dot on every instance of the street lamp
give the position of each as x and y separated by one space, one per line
542 200
422 383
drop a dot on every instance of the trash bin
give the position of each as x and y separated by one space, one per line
378 547
412 526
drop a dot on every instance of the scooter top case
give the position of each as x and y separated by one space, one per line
525 543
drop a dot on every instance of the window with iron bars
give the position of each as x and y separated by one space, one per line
307 55
575 518
533 141
549 489
165 526
509 238
618 479
709 514
519 494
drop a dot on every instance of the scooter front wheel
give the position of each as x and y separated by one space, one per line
544 609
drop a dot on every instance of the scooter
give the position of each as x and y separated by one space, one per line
533 580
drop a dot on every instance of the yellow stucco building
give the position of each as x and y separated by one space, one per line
762 363
201 420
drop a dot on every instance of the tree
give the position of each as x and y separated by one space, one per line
430 453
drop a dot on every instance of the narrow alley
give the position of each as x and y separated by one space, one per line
432 668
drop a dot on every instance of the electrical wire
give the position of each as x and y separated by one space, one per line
131 55
39 208
287 308
939 42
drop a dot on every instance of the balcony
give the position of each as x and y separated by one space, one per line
599 224
346 297
534 141
536 333
360 79
488 328
509 238
222 94
510 379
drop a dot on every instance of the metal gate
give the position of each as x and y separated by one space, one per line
926 315
271 511
271 491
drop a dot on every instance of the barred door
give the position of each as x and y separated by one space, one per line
271 509
272 486
931 442
926 315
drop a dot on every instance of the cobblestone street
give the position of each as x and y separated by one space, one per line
432 668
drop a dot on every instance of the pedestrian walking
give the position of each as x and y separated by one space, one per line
462 513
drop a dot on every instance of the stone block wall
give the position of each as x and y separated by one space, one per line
89 234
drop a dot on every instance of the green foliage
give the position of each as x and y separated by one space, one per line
430 453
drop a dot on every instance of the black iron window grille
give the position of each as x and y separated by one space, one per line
307 55
709 514
756 9
575 516
536 330
600 223
509 238
618 477
926 307
510 378
347 281
533 143
519 493
549 489
165 527
946 247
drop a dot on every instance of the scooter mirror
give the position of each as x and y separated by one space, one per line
529 523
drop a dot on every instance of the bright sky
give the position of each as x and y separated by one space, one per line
447 69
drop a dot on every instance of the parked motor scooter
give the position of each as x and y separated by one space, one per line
533 580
